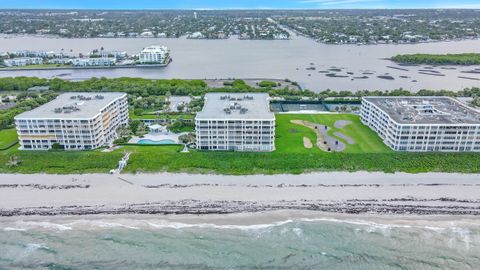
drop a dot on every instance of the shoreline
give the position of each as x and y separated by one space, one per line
241 221
18 35
84 68
178 194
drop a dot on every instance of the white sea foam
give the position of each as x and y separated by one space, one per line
153 223
297 231
103 224
176 225
27 225
33 246
14 229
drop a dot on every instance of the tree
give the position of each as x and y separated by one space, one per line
134 126
180 107
187 138
13 161
138 111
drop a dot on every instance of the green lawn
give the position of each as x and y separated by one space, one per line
290 136
368 154
7 138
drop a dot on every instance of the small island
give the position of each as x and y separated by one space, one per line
463 59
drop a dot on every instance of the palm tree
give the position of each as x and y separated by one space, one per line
13 161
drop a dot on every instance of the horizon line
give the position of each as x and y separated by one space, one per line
241 9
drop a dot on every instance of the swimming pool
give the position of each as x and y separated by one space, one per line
148 141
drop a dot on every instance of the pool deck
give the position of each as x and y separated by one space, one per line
157 137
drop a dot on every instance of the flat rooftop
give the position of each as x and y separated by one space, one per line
236 106
72 105
426 110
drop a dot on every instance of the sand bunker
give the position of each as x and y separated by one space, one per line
324 140
345 137
341 123
307 143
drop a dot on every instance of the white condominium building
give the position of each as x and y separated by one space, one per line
23 61
100 61
74 121
155 55
236 122
423 123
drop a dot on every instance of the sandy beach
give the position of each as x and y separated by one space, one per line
164 193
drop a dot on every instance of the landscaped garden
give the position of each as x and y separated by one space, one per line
290 136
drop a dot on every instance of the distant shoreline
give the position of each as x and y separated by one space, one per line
8 36
82 67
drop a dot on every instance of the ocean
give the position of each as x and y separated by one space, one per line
159 242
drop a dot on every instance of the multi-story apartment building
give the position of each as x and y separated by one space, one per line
423 123
155 55
23 61
100 61
73 121
238 122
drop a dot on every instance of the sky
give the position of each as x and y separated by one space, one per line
237 4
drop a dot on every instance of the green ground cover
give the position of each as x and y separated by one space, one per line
367 154
60 162
40 66
439 59
8 137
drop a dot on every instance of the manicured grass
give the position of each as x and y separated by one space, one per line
7 138
368 154
290 136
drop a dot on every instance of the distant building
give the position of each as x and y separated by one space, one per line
23 61
75 121
27 53
100 61
60 61
423 123
196 35
147 34
154 55
236 122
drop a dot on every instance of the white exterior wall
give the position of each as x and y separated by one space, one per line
420 137
93 61
74 134
16 62
236 135
154 55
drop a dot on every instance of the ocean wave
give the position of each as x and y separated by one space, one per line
176 225
32 225
33 246
158 224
